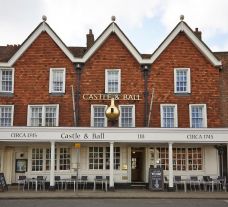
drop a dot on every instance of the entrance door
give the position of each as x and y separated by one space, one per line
137 165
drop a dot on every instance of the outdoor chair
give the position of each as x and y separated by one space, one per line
58 182
194 182
83 181
41 182
21 181
177 182
207 183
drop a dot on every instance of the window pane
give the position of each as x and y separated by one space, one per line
36 116
96 158
5 116
57 84
197 116
168 116
126 116
113 81
6 80
64 159
181 80
50 116
37 159
43 116
116 158
99 116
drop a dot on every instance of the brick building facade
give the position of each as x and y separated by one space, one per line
172 106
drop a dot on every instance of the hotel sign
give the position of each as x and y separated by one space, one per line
131 135
129 97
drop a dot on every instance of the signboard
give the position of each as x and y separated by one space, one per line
156 182
90 134
3 184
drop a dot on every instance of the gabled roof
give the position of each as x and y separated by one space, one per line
183 27
80 54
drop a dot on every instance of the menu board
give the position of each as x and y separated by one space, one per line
3 185
156 182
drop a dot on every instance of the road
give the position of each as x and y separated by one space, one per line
113 202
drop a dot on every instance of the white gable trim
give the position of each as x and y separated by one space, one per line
183 27
113 28
32 38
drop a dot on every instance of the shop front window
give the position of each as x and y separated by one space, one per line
183 158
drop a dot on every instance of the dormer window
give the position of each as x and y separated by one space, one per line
57 80
112 80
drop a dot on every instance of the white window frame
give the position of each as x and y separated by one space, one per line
133 114
188 80
1 91
92 114
175 114
204 114
12 112
43 113
106 80
45 159
51 80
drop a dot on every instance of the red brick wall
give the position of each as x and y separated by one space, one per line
32 81
111 55
204 82
31 85
224 87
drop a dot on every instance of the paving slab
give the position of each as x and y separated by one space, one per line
14 193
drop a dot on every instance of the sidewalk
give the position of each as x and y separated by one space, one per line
13 193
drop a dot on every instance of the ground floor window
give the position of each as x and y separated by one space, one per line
41 159
99 158
48 159
183 158
64 160
116 158
37 159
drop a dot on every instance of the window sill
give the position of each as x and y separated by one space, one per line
57 94
6 94
182 94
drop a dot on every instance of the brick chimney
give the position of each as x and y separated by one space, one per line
198 33
89 39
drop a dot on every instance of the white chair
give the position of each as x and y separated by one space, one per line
21 181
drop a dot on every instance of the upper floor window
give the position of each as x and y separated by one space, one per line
127 116
112 80
98 117
168 115
182 80
6 115
57 80
6 80
198 115
43 115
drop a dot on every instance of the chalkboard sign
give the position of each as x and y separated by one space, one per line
156 182
3 185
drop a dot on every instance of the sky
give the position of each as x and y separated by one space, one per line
145 22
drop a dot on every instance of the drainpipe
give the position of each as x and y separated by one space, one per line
78 68
145 69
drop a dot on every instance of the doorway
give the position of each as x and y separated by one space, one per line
137 163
